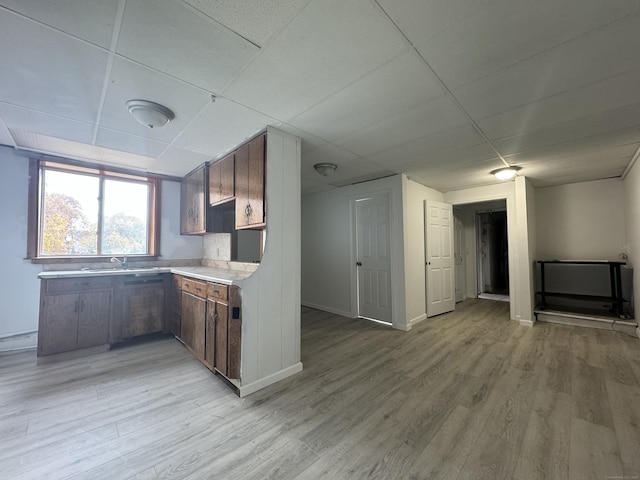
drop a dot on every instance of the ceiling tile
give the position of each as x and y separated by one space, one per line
319 53
178 161
450 140
131 81
474 175
389 90
623 121
92 21
43 123
221 127
309 141
49 72
509 31
453 161
130 143
255 20
609 94
79 151
589 59
430 117
176 39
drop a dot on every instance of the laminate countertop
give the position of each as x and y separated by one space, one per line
208 274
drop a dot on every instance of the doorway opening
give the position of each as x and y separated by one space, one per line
492 255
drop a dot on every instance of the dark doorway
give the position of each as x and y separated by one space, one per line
493 256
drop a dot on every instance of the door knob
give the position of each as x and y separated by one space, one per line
359 264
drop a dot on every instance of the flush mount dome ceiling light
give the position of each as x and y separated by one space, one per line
325 169
505 173
150 114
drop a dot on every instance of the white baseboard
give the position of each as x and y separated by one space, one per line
21 341
270 379
403 328
415 320
324 308
526 323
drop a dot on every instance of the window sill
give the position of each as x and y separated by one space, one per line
92 259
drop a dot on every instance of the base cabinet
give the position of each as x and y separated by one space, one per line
192 332
139 306
74 313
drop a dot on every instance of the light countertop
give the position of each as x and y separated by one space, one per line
209 274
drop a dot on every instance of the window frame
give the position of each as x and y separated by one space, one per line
36 193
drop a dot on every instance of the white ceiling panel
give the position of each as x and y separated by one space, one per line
624 122
509 31
140 145
50 71
43 123
589 59
255 20
92 21
79 151
453 161
178 161
309 141
574 171
130 81
609 94
430 117
361 104
174 38
450 140
329 45
472 176
222 126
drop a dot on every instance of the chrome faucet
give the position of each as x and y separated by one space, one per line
123 262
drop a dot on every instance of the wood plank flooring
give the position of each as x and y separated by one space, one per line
465 395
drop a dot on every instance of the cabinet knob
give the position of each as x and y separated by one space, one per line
247 210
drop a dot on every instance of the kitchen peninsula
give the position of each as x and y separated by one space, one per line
262 307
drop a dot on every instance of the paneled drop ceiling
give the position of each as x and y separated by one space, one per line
441 90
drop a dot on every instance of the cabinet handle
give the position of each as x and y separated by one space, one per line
247 210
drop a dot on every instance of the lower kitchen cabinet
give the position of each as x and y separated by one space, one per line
193 317
74 313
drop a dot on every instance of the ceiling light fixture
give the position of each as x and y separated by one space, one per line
150 114
505 173
325 169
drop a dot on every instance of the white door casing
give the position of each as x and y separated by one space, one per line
440 266
373 257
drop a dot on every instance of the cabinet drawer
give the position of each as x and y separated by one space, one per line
217 291
199 289
62 285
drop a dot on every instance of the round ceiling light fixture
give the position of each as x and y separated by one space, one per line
150 114
325 169
505 173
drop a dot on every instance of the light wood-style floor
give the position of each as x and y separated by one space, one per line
469 394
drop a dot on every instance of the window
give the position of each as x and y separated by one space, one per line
86 212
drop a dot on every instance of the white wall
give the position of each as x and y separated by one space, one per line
328 269
581 221
414 195
631 189
19 285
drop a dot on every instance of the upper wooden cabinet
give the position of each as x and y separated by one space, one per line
193 202
250 180
221 180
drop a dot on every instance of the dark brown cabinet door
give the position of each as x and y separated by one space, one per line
221 180
249 180
58 329
142 306
94 311
193 323
193 202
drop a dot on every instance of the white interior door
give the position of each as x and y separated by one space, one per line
458 250
373 259
440 258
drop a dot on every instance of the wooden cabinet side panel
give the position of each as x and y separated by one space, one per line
94 317
58 330
221 337
210 335
234 341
